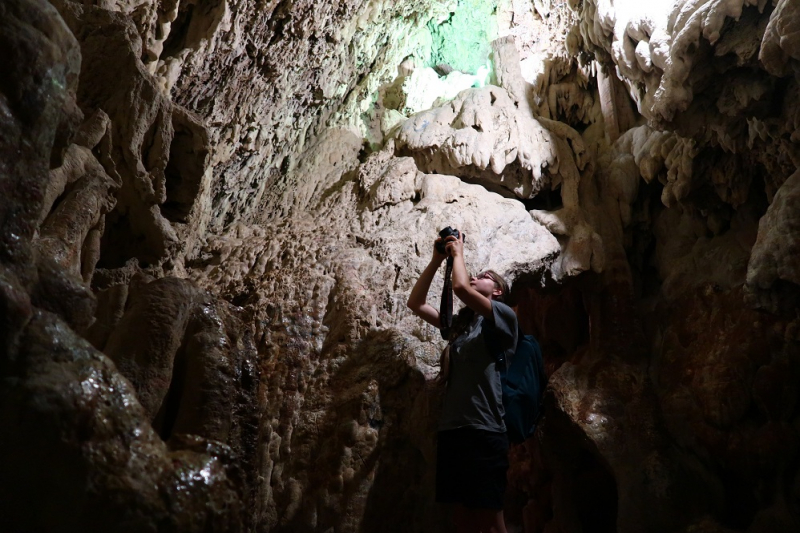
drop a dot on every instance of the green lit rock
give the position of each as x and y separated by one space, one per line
462 41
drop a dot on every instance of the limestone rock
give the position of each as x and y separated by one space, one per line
779 47
478 135
229 200
42 59
100 463
68 408
772 273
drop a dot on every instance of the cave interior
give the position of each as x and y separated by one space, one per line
213 212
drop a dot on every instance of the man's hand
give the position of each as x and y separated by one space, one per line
437 256
462 288
455 247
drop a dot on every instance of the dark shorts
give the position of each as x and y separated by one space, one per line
471 466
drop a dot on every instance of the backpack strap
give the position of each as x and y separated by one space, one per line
542 376
490 337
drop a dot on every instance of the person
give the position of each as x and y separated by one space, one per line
472 446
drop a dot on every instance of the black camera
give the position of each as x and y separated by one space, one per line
445 233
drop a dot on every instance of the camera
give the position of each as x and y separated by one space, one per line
446 232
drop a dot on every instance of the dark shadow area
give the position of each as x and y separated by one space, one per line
554 313
195 21
595 494
120 243
741 503
546 200
168 412
176 41
188 156
583 491
640 241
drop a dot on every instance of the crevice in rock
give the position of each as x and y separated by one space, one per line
545 200
641 243
176 40
595 494
188 155
151 148
575 490
167 415
120 243
741 502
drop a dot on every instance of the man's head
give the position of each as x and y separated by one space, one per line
490 284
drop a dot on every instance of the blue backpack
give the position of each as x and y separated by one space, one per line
524 382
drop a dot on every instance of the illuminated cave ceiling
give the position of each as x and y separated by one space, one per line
230 200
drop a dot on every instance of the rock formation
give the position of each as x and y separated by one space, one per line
214 211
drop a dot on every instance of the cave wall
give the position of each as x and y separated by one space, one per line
214 211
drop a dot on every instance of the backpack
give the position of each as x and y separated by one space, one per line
524 382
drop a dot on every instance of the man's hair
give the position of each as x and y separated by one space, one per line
499 283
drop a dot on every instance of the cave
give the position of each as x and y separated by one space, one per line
214 212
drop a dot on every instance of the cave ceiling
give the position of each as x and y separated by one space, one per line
213 212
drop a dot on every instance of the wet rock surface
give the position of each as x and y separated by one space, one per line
99 463
213 213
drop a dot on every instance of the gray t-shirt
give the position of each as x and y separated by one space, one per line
474 397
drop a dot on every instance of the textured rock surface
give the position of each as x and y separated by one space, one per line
213 213
66 407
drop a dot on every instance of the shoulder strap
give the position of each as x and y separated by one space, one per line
542 375
446 303
492 344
